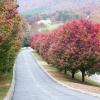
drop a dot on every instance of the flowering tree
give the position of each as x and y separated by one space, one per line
74 46
9 22
84 44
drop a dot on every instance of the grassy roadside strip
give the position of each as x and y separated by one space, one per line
88 80
88 88
5 83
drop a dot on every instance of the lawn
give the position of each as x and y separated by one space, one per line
5 82
50 27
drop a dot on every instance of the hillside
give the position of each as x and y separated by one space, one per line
49 6
83 8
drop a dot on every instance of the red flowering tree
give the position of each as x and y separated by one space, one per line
84 45
74 46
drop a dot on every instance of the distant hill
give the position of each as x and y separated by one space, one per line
82 8
49 6
57 16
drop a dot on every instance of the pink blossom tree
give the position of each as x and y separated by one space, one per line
74 46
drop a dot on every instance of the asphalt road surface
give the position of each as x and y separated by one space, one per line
32 83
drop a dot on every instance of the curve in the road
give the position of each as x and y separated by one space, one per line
32 83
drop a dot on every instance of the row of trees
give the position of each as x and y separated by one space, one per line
74 46
9 40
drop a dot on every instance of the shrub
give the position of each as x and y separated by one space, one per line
25 42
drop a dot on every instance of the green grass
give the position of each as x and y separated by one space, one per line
5 82
50 27
87 80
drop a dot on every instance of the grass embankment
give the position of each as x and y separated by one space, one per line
5 81
89 85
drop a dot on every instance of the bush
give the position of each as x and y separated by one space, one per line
25 42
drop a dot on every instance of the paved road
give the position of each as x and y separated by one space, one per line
32 83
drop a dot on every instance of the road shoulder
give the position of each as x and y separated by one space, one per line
65 80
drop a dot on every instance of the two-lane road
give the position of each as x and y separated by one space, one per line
32 83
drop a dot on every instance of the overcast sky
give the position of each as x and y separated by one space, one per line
29 4
25 5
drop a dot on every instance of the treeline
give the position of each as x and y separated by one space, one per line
56 16
73 47
9 40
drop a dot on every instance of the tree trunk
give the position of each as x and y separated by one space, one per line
65 71
73 74
83 75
